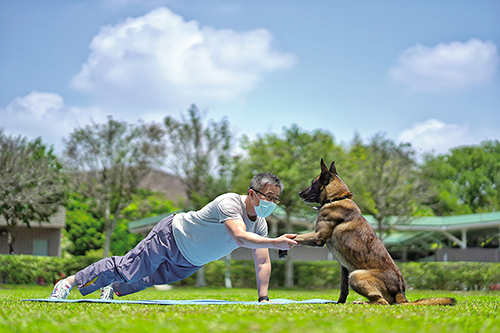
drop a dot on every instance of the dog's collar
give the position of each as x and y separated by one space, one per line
330 201
336 199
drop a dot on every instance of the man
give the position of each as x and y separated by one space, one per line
181 244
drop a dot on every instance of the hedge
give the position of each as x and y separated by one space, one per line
25 269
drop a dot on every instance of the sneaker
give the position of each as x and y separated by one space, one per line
61 290
107 292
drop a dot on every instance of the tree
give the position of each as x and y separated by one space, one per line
145 203
32 185
292 157
201 156
108 161
84 225
465 180
85 230
385 180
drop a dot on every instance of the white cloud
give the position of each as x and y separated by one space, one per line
435 135
45 114
160 60
447 67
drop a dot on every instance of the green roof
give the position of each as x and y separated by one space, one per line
456 222
147 223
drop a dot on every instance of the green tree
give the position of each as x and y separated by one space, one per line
294 158
85 229
32 185
385 180
108 161
145 203
465 180
200 155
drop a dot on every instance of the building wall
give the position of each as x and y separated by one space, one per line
40 239
313 254
469 254
44 241
296 254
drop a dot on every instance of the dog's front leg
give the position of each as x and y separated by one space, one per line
344 284
317 238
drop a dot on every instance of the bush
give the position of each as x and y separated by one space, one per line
25 269
450 275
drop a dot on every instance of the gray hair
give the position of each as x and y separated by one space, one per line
259 181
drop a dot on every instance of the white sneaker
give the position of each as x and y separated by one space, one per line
107 292
61 290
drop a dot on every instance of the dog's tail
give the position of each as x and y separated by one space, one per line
433 301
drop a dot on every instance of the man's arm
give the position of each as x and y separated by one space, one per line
237 230
262 264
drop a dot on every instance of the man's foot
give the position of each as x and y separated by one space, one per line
61 290
107 292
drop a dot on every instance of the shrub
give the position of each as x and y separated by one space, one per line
450 275
25 269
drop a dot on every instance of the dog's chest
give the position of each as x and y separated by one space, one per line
339 256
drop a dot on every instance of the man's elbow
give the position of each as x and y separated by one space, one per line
239 241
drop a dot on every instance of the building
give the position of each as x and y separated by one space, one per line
40 239
450 238
435 238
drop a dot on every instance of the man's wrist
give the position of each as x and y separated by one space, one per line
263 298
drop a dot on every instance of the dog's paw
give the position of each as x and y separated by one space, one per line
282 254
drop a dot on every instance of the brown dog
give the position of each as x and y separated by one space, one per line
365 263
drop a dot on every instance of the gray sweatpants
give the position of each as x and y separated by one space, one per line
155 260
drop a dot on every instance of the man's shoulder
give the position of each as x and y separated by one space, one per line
229 197
231 205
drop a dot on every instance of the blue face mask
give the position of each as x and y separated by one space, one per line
265 208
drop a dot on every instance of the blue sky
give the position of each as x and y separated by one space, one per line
425 72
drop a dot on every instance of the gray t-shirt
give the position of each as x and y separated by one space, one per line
201 235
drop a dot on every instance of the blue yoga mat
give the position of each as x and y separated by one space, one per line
180 302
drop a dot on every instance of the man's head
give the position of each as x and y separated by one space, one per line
260 181
264 192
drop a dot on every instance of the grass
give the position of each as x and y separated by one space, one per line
475 312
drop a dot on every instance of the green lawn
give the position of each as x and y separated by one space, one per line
475 312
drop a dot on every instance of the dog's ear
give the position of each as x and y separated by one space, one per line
333 169
326 175
324 169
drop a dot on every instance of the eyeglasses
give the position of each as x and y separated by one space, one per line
268 197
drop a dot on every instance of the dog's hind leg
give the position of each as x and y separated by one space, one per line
344 284
366 284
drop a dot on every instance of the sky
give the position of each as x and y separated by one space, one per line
424 72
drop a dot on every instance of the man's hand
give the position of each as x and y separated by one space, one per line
286 242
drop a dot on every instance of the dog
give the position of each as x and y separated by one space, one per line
366 265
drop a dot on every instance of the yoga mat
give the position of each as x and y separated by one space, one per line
180 302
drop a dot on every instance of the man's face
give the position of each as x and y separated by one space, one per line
268 193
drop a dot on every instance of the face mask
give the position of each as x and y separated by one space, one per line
265 208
